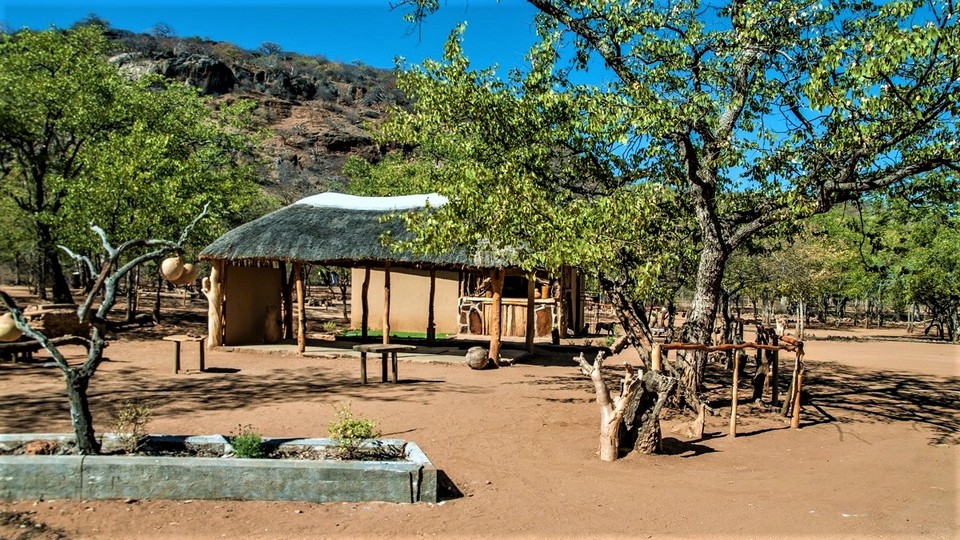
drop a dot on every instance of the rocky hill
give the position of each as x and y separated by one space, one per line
314 110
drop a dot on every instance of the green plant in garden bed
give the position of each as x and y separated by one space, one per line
247 443
130 423
329 326
351 432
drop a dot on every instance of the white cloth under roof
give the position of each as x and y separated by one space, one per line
332 199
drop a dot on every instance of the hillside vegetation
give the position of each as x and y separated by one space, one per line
313 110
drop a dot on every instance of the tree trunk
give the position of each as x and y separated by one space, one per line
131 310
156 303
761 376
41 276
699 325
342 284
77 383
642 418
61 289
611 409
633 318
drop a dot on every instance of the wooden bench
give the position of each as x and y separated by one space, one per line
384 350
23 349
177 339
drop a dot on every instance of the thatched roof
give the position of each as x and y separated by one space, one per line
332 231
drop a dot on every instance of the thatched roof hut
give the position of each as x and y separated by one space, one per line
333 229
340 230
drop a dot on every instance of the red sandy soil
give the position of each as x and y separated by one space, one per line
876 455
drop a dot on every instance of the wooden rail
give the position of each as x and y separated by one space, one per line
788 343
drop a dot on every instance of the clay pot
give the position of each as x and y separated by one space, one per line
188 276
172 268
8 328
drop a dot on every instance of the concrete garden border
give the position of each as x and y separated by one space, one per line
23 477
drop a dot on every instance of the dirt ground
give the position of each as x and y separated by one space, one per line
876 455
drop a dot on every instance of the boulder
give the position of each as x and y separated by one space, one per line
477 357
209 74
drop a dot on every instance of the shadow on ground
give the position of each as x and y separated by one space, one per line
833 391
226 389
836 393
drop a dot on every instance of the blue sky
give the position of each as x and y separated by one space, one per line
341 30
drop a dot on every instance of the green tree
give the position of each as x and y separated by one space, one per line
933 271
562 204
79 143
755 113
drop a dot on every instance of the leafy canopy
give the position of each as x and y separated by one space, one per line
80 144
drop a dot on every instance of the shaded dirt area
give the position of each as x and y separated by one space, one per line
876 455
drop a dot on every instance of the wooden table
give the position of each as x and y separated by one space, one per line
384 350
177 339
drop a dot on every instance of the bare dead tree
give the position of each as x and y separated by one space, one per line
632 416
112 273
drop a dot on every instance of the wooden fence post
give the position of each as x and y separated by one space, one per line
795 421
734 394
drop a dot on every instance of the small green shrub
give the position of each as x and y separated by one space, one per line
350 432
247 443
610 341
330 326
130 424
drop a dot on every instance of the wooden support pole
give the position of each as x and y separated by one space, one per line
775 372
431 315
496 284
734 395
286 298
531 312
795 421
562 304
301 308
176 357
656 357
386 303
364 304
793 392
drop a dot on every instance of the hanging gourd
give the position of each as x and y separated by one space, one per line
188 276
172 268
8 328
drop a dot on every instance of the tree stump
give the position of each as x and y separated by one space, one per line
633 416
642 417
